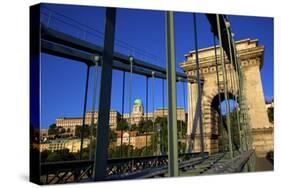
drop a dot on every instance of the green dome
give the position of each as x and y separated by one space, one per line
138 102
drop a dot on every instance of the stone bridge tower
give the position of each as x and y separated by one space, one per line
251 58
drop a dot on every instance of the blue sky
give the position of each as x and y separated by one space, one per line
63 80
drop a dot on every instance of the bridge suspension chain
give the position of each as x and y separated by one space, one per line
84 112
180 131
146 110
184 107
246 120
62 18
235 95
122 120
163 148
225 88
131 59
199 84
229 86
189 143
153 116
242 101
218 87
96 60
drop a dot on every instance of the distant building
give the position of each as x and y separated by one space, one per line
43 134
73 145
136 140
70 123
137 114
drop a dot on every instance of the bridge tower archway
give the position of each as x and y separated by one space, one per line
251 60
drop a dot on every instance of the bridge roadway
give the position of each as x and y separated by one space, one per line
144 167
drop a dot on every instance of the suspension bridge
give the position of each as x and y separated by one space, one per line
213 75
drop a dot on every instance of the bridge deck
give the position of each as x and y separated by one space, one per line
146 167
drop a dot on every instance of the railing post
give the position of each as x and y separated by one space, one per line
105 97
171 90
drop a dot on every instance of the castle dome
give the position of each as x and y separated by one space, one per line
138 102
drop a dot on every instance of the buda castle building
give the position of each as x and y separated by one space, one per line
137 114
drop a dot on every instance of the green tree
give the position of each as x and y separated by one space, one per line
122 124
86 133
44 155
62 130
234 132
60 155
53 130
147 126
112 135
134 127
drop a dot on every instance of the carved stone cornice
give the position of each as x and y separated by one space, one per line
249 56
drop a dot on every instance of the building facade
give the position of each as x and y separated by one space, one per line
70 123
138 113
136 140
73 145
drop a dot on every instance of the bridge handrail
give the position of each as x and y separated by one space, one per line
48 167
234 165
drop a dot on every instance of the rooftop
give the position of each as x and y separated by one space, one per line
138 102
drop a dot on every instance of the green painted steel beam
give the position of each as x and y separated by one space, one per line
171 90
101 155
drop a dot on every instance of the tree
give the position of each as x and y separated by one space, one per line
86 133
134 127
60 155
44 155
62 130
53 130
122 124
234 131
147 126
112 135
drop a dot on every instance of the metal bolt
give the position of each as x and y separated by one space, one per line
96 58
227 24
131 58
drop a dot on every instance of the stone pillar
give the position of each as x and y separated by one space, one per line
262 131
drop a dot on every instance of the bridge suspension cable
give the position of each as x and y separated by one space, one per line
184 106
241 131
153 116
225 88
183 120
146 110
163 119
219 96
55 15
131 59
189 142
122 111
235 95
199 84
92 124
84 112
